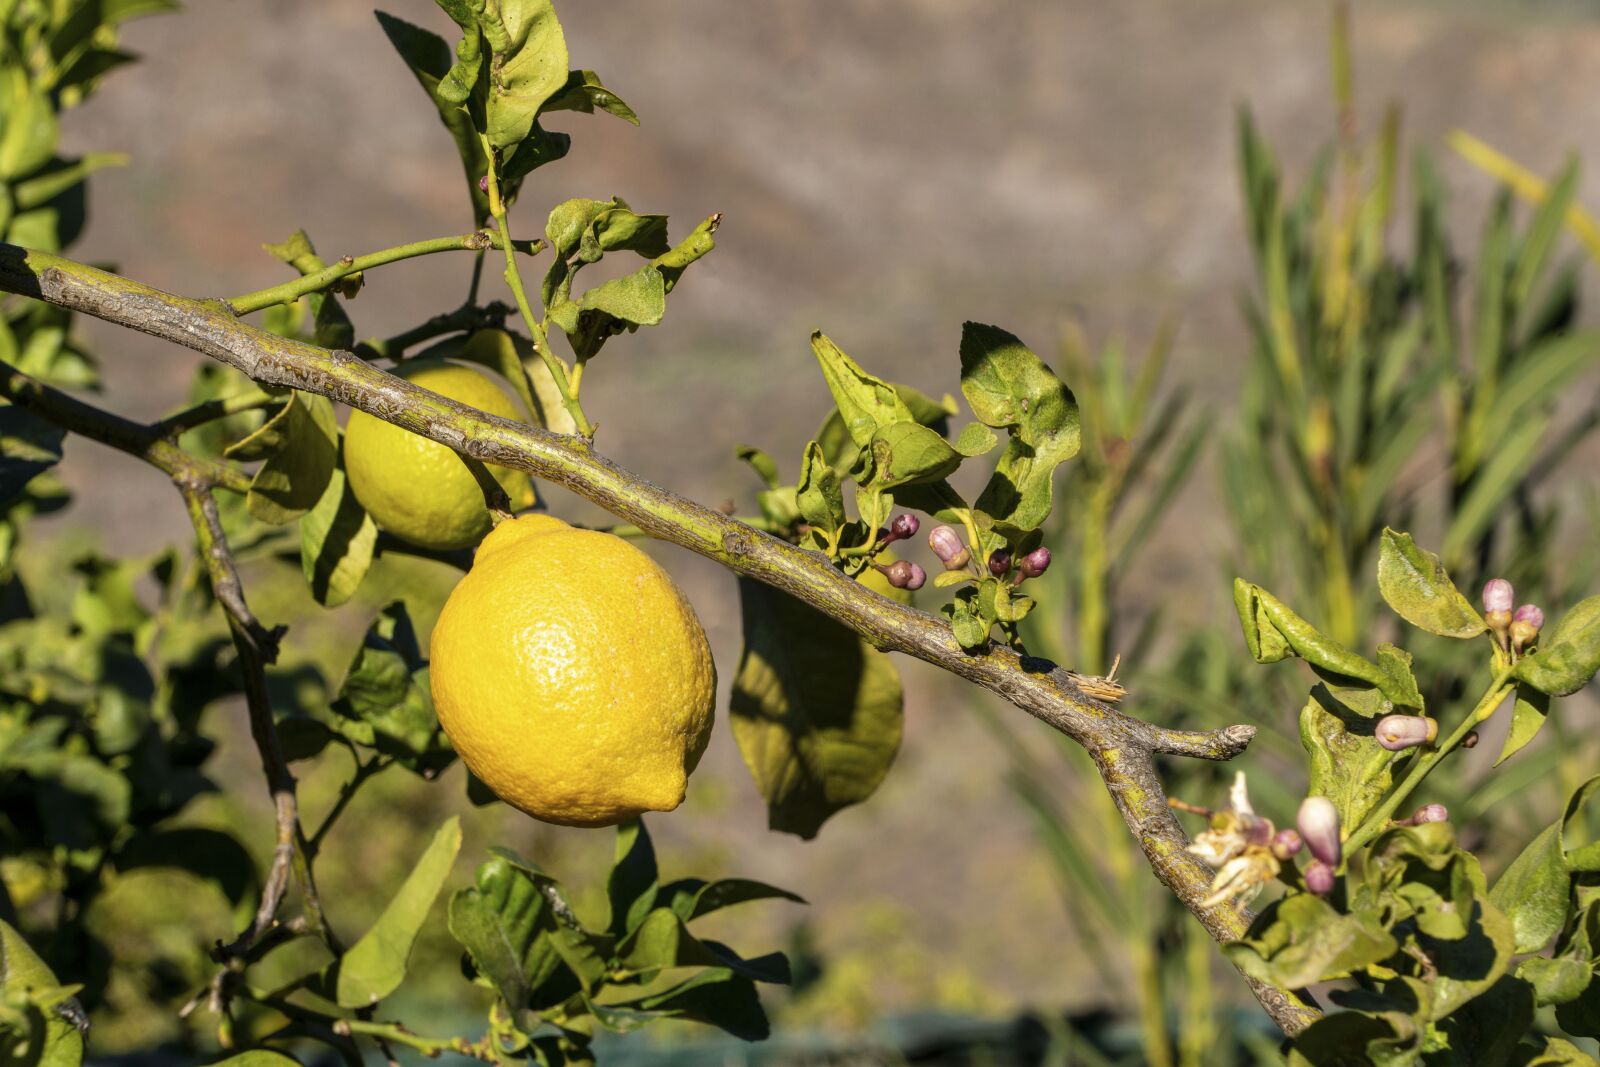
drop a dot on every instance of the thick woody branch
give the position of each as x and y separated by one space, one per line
1123 747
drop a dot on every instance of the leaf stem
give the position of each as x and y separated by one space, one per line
317 281
541 336
1375 823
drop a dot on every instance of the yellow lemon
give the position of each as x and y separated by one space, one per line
572 675
420 490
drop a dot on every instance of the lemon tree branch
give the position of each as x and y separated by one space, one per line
1123 748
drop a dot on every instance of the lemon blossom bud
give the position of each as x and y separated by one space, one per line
1525 626
1034 563
1319 878
900 572
947 545
1399 732
1000 563
1471 740
1318 821
1498 595
483 184
1286 843
1430 813
916 578
902 527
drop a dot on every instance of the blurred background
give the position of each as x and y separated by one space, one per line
887 169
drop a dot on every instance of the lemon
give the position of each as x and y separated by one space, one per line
572 675
420 490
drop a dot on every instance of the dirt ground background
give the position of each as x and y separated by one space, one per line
887 168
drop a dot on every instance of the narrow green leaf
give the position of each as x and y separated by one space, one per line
817 711
376 965
717 997
1414 582
691 898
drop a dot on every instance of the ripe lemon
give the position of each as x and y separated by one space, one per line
572 675
420 490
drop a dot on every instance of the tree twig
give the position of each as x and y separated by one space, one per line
1123 747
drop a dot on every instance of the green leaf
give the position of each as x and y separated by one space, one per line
639 298
1532 891
1009 387
28 132
634 880
385 701
258 1057
817 711
717 997
691 898
907 453
336 542
583 92
1556 981
514 358
376 965
975 440
662 941
1414 582
865 403
1301 939
504 921
53 1041
29 446
531 67
1346 763
764 465
673 262
1567 659
819 496
300 444
1552 1052
1527 719
967 624
1273 633
211 855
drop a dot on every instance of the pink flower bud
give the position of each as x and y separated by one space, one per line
1400 732
1525 626
1000 563
1286 843
1498 595
1319 878
1035 562
916 578
947 545
904 526
1318 821
483 184
1430 813
900 573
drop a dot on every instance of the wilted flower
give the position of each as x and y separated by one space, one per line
1400 732
1239 844
1319 878
1319 826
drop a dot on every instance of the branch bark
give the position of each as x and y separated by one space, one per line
1124 748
